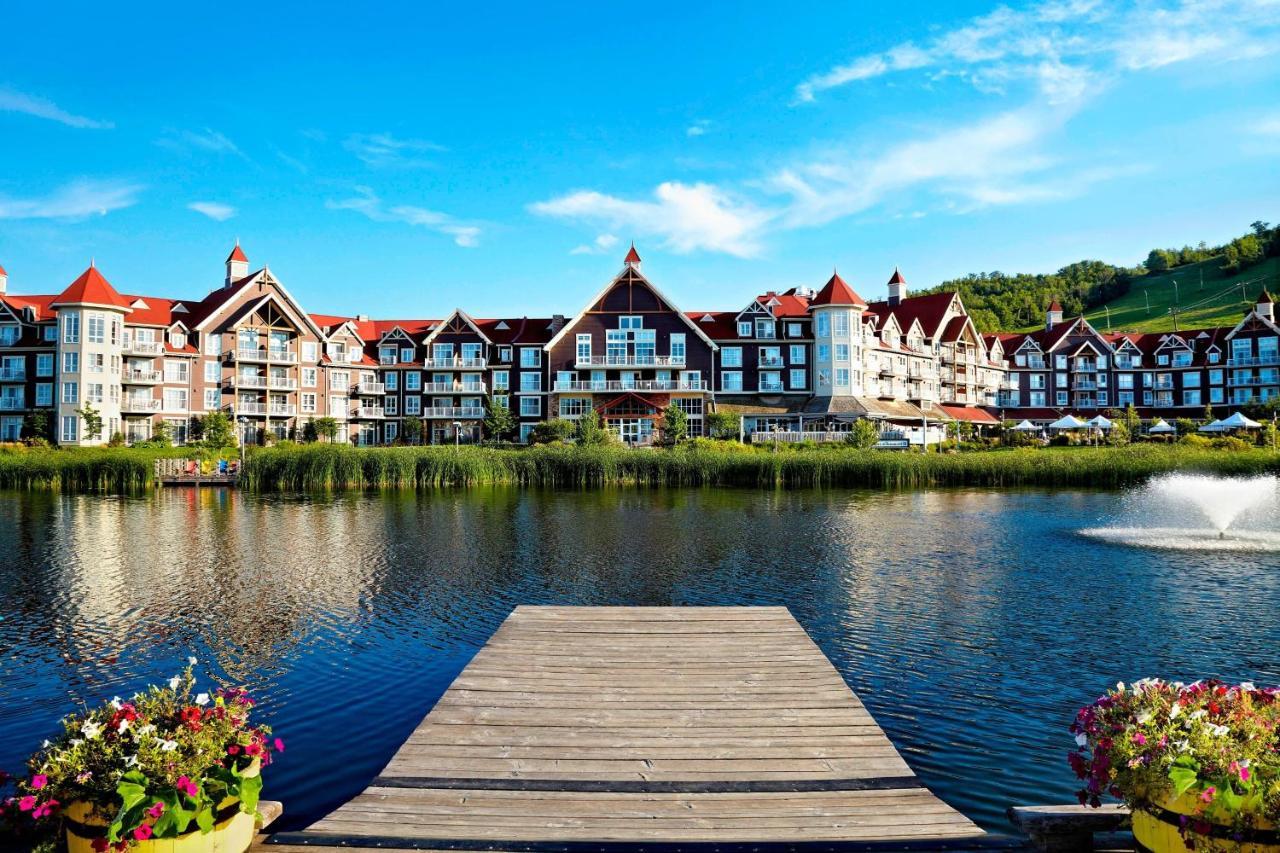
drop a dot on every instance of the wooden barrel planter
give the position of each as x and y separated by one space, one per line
1156 828
232 832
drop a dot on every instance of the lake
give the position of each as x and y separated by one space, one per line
972 623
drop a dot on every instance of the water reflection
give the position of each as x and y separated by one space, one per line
972 623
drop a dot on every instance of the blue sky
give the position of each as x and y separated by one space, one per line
499 159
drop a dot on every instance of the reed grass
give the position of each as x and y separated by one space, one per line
337 467
117 470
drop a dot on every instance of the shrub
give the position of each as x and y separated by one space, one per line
863 434
555 431
589 431
722 425
116 440
675 425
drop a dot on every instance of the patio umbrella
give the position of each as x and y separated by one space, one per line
1216 426
1238 421
1099 422
1027 426
1068 422
1160 427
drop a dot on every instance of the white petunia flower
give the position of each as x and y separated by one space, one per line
1119 686
148 729
115 702
168 745
91 729
202 698
192 661
131 761
174 682
1174 711
1082 739
1144 718
46 745
124 724
1218 731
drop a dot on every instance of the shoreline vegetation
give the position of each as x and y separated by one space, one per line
331 467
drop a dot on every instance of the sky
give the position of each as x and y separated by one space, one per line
501 157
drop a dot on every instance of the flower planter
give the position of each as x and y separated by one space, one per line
1156 828
232 832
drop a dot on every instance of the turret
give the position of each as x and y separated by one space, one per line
1053 316
4 281
632 259
897 288
237 265
1265 307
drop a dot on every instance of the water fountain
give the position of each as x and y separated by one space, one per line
1170 513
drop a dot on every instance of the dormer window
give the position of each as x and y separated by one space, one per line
744 328
178 339
406 354
1215 356
764 329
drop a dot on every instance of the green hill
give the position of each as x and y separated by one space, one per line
1203 293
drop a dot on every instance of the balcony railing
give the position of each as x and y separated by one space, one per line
454 387
455 363
457 412
141 406
1254 361
771 389
1128 364
1084 367
140 377
636 385
275 410
369 388
368 412
1255 380
1085 385
631 361
765 361
143 348
282 383
12 404
249 381
13 374
273 356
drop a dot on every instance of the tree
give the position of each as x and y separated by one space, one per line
411 430
722 425
37 426
309 433
92 421
590 431
863 434
218 431
675 425
161 435
555 431
1208 415
326 428
499 423
1159 260
1119 434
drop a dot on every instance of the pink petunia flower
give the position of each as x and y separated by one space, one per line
142 833
156 810
279 745
27 803
186 786
39 780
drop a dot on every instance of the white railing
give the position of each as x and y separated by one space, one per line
456 363
282 383
771 362
454 388
250 381
143 348
1253 361
13 374
370 388
140 377
637 385
461 412
275 356
369 412
631 361
142 406
283 410
770 389
1255 380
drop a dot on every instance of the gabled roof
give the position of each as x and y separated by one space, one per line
930 309
1054 306
836 292
1263 299
465 318
92 289
633 257
237 254
788 304
661 297
897 278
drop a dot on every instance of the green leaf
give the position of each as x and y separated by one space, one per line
250 788
1183 779
181 818
204 820
131 793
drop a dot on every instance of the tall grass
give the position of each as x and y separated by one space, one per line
312 467
118 470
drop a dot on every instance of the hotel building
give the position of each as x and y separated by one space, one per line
796 362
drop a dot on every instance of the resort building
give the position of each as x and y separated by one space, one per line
789 365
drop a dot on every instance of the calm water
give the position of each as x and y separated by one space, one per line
972 623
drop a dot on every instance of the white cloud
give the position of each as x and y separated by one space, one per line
686 217
76 200
209 140
13 101
367 203
214 210
602 244
698 128
1268 127
382 150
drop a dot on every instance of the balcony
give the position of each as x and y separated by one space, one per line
265 356
140 377
1128 363
630 361
1255 380
770 389
243 381
455 363
143 348
1164 385
1266 359
1084 367
771 362
369 412
1085 385
282 383
369 389
455 412
12 404
636 385
13 374
139 405
454 388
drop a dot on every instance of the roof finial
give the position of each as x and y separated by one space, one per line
91 262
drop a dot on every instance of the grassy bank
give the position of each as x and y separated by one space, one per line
337 467
89 469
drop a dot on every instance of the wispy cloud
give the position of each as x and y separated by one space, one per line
214 210
698 128
685 217
602 244
1065 47
369 204
382 150
13 101
74 201
207 140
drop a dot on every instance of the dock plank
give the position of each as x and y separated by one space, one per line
634 727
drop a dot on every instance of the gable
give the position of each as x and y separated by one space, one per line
629 293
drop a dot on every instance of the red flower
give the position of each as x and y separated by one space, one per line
142 833
189 713
100 844
234 749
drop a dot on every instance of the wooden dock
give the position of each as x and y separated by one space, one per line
632 728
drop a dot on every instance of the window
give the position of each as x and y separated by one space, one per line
824 352
178 339
412 380
731 381
504 354
1190 398
1060 362
44 364
822 324
391 406
71 392
631 322
175 370
310 377
770 380
95 362
95 328
501 380
392 379
1037 399
1182 358
70 428
1216 395
175 399
798 380
1037 381
1062 398
677 347
44 394
93 392
584 348
71 362
574 407
406 355
824 379
731 357
212 399
530 407
310 351
765 328
797 353
1124 380
525 430
337 350
1191 379
1162 358
212 343
71 327
530 382
1060 380
1124 398
1102 398
213 371
840 323
794 330
842 377
530 357
413 405
842 352
744 328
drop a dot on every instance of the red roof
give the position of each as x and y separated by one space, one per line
1054 306
897 278
1264 299
92 289
836 292
929 309
237 254
2 272
970 413
789 304
633 257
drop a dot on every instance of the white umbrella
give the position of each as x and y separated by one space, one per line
1216 426
1068 422
1238 421
1160 427
1099 422
1027 426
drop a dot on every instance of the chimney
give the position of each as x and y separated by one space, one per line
897 288
1053 316
1265 307
557 323
362 318
4 281
633 259
237 265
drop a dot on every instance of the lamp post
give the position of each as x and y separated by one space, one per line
457 433
243 421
